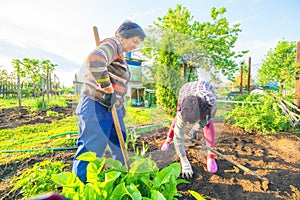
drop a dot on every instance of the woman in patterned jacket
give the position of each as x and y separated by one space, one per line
196 105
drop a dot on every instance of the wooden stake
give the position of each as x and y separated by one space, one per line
249 74
241 77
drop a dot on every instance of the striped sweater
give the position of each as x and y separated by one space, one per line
107 72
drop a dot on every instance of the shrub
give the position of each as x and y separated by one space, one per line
53 114
265 117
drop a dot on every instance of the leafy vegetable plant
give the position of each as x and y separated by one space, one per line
143 181
37 179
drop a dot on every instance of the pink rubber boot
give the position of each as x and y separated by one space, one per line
165 146
212 166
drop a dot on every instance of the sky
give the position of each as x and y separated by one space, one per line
61 30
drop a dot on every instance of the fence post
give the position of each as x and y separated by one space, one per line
241 78
19 91
249 74
296 100
1 90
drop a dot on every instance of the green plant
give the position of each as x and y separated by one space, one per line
131 140
265 117
37 179
41 104
142 181
135 115
51 113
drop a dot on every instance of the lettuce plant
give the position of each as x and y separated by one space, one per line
108 179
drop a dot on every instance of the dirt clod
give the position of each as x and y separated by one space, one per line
265 185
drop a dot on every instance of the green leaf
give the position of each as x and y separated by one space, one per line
143 165
134 193
196 195
112 176
156 195
119 192
113 163
170 188
88 156
146 180
92 171
89 191
67 179
94 191
164 175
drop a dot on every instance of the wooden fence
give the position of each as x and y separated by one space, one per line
10 90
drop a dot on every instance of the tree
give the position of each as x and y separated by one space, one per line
46 69
178 46
32 72
37 72
279 65
3 75
17 65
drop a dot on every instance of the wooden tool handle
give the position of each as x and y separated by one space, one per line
120 136
96 35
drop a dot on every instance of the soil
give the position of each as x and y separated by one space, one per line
274 157
15 116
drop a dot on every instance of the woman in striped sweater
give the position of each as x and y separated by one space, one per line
105 75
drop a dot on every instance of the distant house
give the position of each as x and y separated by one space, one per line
135 91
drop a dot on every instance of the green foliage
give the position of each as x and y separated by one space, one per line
178 45
40 104
265 117
37 179
218 39
33 104
136 115
142 116
279 65
142 181
167 88
54 114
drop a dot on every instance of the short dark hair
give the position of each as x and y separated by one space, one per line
129 29
194 108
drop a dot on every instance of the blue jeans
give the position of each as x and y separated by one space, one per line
96 131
